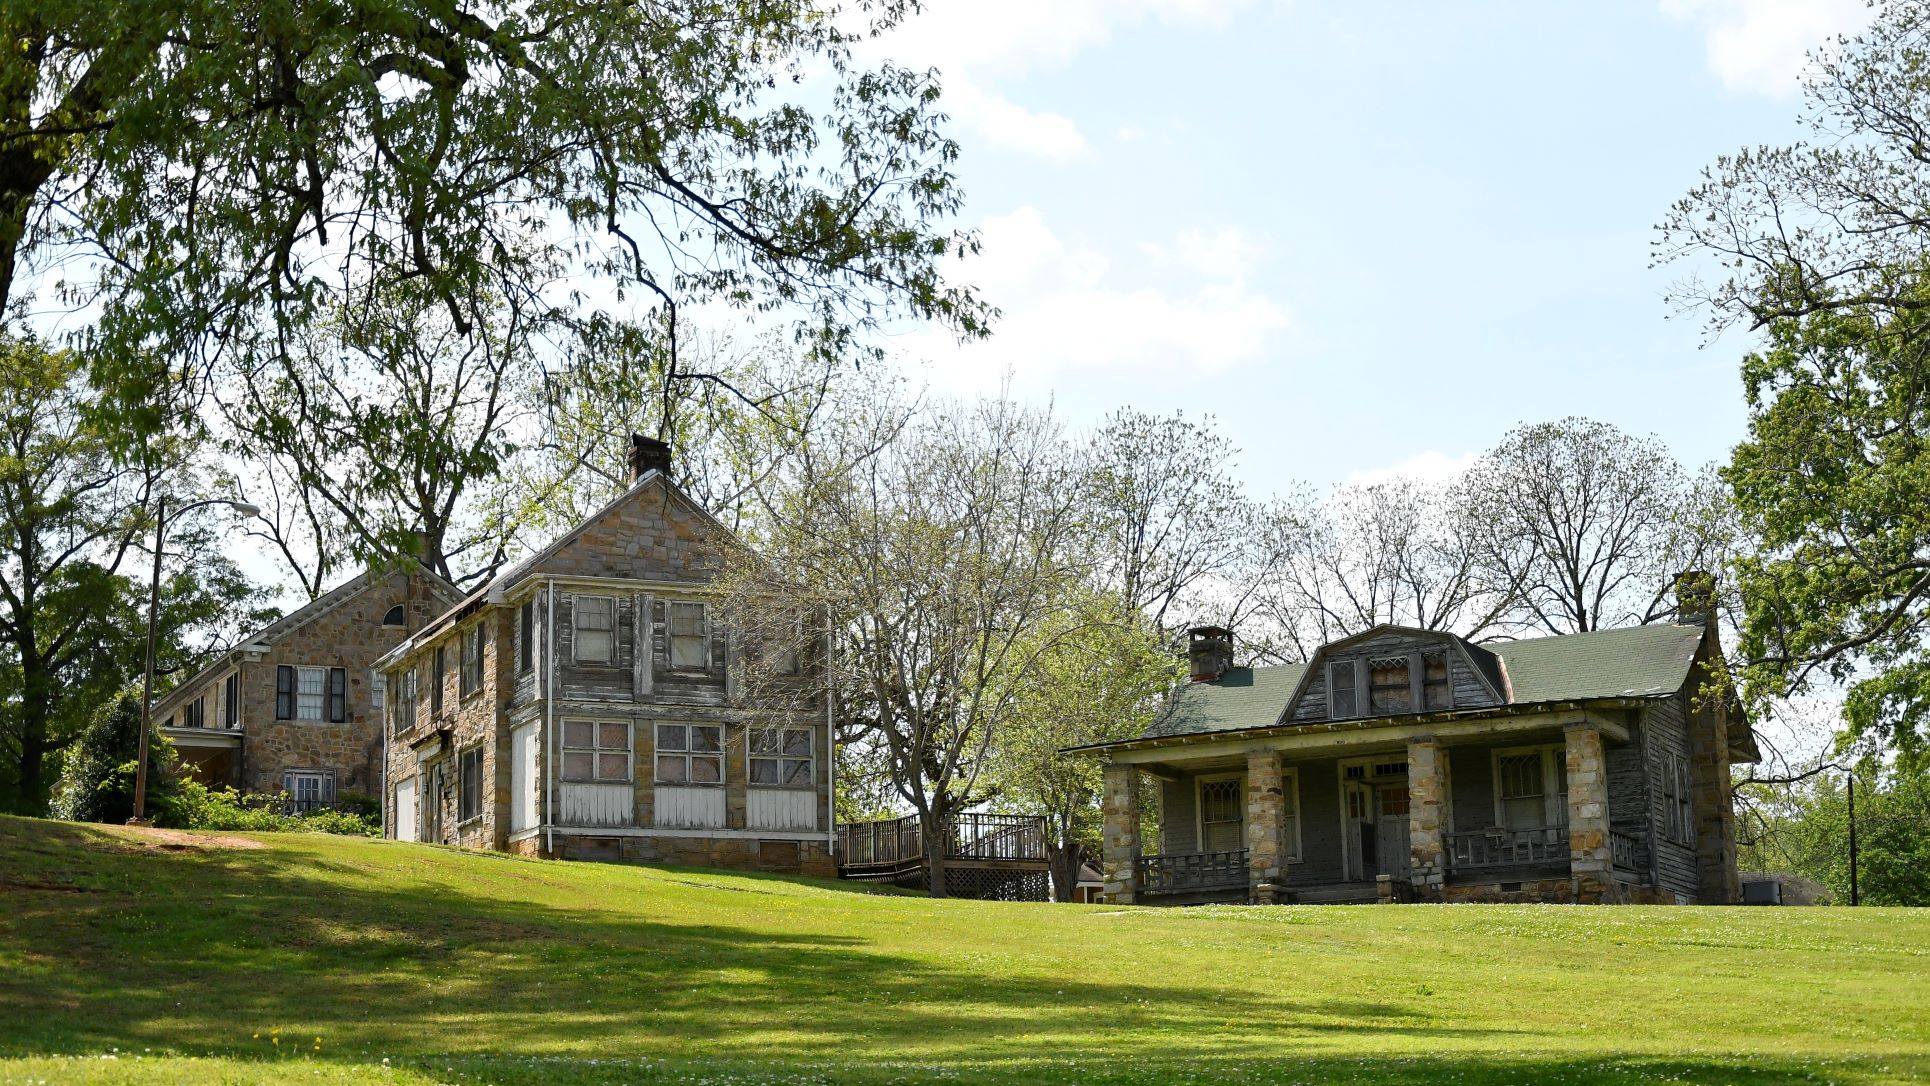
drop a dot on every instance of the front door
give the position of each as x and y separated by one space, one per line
406 814
1362 829
1391 829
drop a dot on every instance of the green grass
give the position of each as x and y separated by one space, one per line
123 962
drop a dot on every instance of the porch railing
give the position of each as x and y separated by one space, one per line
973 837
1508 848
1186 873
1621 851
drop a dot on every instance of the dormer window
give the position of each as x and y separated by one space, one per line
1390 685
1436 692
1343 690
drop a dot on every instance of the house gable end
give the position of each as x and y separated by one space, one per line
1472 685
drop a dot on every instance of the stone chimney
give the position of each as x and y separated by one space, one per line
1695 597
1210 650
648 454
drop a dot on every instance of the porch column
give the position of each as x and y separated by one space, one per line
1426 809
1588 850
1119 809
1266 828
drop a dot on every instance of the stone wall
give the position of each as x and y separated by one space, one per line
1119 848
736 853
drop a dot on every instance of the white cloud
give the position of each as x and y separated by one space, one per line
1761 45
1432 466
1003 123
1066 309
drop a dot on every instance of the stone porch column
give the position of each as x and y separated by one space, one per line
1589 861
1266 828
1119 810
1426 815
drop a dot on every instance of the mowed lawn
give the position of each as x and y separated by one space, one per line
127 959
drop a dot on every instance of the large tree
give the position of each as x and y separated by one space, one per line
1822 247
226 171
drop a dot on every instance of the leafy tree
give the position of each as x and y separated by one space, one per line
1805 830
1097 675
97 778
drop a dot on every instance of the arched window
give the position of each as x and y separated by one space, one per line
394 617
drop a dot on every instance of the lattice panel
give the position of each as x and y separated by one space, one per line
984 884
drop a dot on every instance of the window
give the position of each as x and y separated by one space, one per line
1290 785
1678 817
1436 691
1524 798
781 757
596 629
690 754
1221 812
395 617
689 640
402 709
309 789
1390 685
311 693
472 658
526 646
469 778
786 656
1342 690
231 701
436 680
594 751
378 691
191 713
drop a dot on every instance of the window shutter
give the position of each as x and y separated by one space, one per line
284 693
288 783
337 695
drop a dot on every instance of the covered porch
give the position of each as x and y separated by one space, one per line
1496 809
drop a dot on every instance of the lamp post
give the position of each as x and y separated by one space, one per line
153 607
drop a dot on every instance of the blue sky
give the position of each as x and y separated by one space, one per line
1364 236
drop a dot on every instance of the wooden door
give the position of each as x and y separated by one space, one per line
1361 829
1391 829
407 827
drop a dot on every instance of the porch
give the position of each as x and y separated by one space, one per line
1484 817
987 856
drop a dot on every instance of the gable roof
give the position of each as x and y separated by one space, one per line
1634 662
305 614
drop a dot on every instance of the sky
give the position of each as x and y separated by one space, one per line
1366 238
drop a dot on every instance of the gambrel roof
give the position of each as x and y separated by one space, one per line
1636 662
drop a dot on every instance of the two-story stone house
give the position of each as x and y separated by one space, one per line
297 707
586 705
1404 764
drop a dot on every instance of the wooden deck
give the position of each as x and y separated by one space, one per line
988 856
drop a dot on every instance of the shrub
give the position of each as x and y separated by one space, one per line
97 778
197 807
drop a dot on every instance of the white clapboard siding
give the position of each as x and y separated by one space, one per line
689 808
781 809
598 804
522 778
407 819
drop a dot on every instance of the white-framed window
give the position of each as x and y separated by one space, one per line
1222 814
689 636
1678 807
690 754
378 691
231 700
596 750
311 692
781 756
594 630
309 788
1531 787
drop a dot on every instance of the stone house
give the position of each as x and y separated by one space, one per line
297 707
586 704
1413 765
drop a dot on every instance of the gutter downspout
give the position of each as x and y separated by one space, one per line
549 724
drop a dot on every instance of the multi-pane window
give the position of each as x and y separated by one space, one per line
378 691
690 754
191 713
231 701
438 678
1220 815
403 709
526 642
472 658
1678 819
689 636
469 793
1390 685
595 631
311 693
781 757
1524 798
1436 692
1342 690
596 751
309 789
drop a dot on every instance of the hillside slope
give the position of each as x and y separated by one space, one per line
277 957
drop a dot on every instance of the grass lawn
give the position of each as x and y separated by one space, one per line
327 960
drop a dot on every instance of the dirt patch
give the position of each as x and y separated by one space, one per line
160 840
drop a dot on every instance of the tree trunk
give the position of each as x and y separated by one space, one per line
32 796
1064 861
936 827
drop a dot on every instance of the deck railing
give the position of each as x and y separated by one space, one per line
1539 846
1190 872
1621 851
973 837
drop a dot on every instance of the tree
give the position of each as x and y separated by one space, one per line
940 547
1804 829
97 778
1098 675
1585 527
1823 249
74 523
226 172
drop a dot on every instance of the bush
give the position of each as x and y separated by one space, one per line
196 807
97 779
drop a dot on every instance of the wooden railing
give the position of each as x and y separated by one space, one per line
1621 851
1190 872
1508 848
973 837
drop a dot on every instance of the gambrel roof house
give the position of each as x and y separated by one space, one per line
1404 764
586 704
295 708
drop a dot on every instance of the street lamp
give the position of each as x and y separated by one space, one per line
153 606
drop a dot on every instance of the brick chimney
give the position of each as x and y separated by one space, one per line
648 454
1210 650
1695 597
